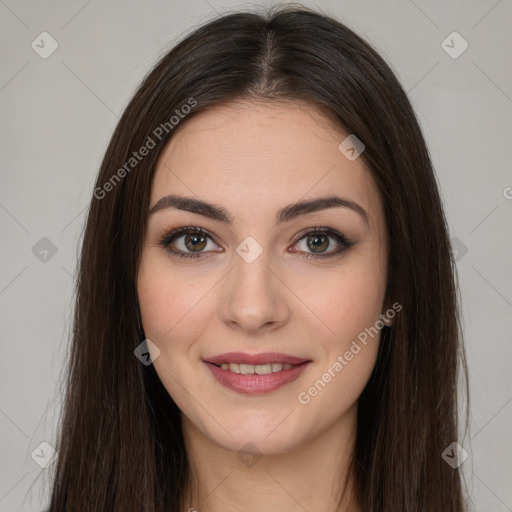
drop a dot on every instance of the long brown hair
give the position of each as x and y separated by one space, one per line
120 445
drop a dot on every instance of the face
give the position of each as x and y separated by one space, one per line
252 278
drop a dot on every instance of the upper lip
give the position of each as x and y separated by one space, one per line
263 358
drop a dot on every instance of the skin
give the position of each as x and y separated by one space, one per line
253 159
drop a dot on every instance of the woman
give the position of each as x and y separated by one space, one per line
266 313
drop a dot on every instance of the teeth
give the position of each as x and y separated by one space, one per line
259 369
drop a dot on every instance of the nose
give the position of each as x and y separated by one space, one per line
255 298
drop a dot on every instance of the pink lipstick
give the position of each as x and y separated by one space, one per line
256 373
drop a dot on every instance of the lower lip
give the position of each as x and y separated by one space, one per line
254 383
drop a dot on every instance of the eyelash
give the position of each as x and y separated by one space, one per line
171 236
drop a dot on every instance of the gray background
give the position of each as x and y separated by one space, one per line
58 114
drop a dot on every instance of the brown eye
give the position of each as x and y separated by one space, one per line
191 242
194 241
318 241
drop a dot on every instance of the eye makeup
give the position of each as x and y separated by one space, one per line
198 236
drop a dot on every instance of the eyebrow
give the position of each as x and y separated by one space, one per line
285 214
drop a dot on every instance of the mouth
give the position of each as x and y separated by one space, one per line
258 373
259 369
262 364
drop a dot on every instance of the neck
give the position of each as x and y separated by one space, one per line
315 476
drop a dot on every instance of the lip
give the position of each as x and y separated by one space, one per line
254 384
263 358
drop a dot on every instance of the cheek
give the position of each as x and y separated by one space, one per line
350 309
345 304
347 311
168 302
173 316
334 390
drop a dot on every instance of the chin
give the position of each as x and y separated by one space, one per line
266 436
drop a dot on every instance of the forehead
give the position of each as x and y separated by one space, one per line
260 156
